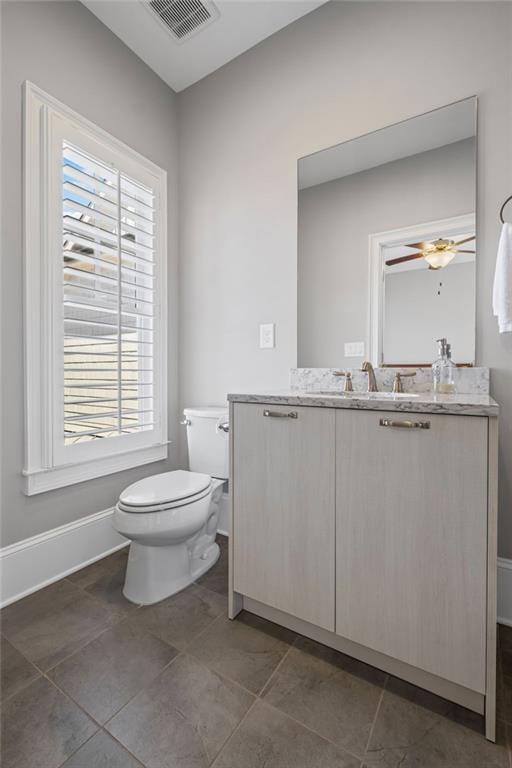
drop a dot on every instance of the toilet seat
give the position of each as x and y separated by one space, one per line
142 510
164 491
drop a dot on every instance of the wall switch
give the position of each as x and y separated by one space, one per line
267 336
354 349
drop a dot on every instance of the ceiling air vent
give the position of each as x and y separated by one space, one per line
183 18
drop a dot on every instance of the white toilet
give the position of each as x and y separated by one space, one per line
171 518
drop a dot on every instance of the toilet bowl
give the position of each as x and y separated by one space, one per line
171 518
172 534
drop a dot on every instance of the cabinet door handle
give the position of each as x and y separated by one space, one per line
405 424
281 415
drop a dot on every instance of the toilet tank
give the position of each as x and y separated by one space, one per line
208 440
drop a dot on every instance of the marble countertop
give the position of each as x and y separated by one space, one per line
424 402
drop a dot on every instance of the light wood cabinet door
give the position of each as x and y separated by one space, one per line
284 515
411 522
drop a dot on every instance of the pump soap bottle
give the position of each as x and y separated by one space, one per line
443 370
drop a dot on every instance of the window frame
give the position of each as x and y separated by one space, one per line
46 466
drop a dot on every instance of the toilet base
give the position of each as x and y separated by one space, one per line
199 565
154 573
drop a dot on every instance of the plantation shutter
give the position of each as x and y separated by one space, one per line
108 276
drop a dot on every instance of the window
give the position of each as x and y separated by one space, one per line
95 280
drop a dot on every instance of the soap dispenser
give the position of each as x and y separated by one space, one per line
443 370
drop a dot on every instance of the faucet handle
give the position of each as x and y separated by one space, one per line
397 381
348 380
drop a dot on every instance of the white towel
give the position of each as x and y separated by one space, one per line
502 289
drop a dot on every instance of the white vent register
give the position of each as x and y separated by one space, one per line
183 18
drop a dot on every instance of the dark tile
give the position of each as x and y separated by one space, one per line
504 698
505 650
109 589
246 650
329 692
270 739
183 719
42 727
415 729
16 671
54 622
105 580
102 752
179 618
505 637
216 578
109 671
420 696
87 576
435 704
506 662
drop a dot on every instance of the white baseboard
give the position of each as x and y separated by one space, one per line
31 564
505 591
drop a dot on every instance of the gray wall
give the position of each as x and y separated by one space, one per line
64 49
335 220
422 305
331 76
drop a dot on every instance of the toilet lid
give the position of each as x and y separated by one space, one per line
164 488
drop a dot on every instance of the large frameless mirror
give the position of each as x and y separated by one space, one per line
387 244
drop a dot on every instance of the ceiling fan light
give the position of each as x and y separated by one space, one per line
439 259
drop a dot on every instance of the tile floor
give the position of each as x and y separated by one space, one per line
92 681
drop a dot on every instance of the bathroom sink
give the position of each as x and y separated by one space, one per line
364 395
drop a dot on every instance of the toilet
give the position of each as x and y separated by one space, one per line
171 518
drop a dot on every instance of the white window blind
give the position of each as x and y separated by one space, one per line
108 279
95 300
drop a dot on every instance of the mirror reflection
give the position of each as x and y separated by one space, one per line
387 244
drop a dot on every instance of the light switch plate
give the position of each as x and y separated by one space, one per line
267 336
354 349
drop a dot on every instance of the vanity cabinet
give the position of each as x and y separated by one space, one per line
373 532
283 472
411 539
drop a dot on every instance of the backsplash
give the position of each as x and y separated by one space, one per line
469 381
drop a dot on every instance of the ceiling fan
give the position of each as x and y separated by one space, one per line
437 253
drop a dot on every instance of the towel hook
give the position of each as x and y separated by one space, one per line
503 208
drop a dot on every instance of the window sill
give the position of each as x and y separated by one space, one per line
40 481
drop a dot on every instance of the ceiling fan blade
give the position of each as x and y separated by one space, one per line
467 240
459 250
422 246
400 259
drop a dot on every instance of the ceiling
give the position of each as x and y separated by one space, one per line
438 128
241 25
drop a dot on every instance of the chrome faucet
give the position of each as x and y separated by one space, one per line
367 367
